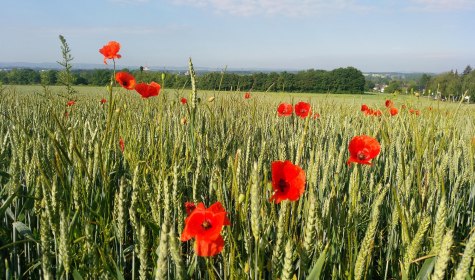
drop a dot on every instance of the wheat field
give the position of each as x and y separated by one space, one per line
97 191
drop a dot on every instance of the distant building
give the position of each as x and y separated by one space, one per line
379 87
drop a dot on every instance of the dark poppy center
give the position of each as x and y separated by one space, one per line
361 156
283 185
125 83
206 224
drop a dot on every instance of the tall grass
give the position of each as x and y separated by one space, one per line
73 205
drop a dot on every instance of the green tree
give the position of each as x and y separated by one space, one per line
393 86
48 77
286 82
447 85
369 85
347 79
23 77
468 85
467 70
423 81
411 87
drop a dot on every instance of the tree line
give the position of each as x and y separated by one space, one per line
446 86
449 85
453 86
341 80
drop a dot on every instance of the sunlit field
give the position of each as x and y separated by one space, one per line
97 190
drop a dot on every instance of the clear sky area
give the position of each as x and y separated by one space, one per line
373 36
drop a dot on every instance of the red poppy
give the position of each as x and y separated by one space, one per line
205 224
388 103
393 111
121 144
183 100
288 181
285 109
126 80
302 109
362 149
413 111
364 108
103 101
247 95
70 103
369 112
377 113
110 51
148 90
316 116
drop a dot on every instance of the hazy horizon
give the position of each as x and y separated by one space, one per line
430 36
92 66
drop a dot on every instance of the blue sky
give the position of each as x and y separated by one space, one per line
384 35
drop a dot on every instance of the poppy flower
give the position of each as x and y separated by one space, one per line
110 51
183 100
302 109
316 116
393 111
364 108
363 149
288 181
70 103
126 80
377 113
413 111
388 103
148 90
121 144
247 95
103 101
205 225
369 112
285 109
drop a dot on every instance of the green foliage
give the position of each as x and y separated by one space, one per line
423 81
394 86
446 85
20 77
468 85
341 80
49 77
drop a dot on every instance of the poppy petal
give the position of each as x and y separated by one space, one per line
216 208
209 248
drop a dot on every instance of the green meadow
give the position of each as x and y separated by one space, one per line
74 204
